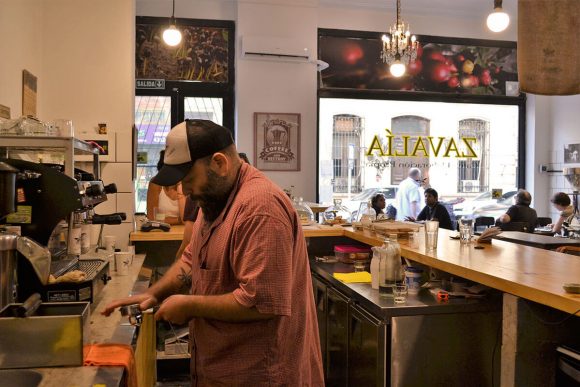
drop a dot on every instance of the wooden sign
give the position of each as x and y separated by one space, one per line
29 82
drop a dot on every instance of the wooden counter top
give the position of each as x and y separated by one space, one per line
524 271
175 234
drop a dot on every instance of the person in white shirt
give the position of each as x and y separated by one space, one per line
408 199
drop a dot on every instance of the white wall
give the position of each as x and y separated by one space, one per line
21 47
82 52
565 126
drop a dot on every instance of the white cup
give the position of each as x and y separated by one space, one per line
109 242
122 261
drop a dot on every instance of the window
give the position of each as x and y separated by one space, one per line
456 168
198 82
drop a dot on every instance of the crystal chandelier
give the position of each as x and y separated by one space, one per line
400 48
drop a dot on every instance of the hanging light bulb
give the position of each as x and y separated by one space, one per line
498 20
397 67
399 46
172 36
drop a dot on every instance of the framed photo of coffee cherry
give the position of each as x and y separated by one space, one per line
277 141
443 65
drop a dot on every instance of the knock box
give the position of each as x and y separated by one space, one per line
52 337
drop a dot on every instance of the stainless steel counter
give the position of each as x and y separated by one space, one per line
419 304
103 330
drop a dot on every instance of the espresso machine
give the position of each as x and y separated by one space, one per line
37 201
572 224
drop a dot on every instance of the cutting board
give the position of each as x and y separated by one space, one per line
396 227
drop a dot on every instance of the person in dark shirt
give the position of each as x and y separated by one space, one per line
378 203
520 212
434 210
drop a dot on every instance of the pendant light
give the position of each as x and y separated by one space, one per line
498 20
399 46
172 36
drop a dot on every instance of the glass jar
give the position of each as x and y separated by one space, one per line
390 268
304 212
368 216
337 213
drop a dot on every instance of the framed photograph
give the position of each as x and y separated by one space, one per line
277 141
572 153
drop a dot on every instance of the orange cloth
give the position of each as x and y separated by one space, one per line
112 355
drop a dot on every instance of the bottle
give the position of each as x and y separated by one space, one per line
390 268
368 216
375 262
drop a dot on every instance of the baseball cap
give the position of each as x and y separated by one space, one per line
187 142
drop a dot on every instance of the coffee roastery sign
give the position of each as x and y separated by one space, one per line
150 83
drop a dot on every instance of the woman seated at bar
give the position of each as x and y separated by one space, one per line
562 203
519 213
165 204
378 203
434 210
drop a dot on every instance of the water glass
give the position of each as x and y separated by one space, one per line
431 234
400 293
465 230
359 265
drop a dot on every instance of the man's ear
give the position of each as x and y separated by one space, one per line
220 164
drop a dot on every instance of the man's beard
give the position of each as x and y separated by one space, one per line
214 196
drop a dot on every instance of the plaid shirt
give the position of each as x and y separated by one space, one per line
255 249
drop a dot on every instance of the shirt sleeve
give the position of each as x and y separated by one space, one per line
512 212
415 196
443 217
262 263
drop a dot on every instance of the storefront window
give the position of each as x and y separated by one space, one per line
465 151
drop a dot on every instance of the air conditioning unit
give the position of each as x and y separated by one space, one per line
470 185
272 48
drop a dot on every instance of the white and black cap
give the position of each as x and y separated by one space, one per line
187 142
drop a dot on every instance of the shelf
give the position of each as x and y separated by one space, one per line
24 143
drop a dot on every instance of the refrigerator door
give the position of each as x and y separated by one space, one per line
336 338
367 349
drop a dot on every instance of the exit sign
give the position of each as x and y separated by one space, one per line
150 83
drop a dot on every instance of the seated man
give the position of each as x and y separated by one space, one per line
434 210
520 212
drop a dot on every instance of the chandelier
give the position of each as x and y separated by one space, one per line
400 48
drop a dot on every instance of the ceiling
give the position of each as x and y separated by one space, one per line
455 7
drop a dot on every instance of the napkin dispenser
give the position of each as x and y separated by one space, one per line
53 336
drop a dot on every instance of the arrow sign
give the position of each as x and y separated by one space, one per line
150 83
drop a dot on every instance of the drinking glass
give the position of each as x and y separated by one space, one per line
431 234
359 265
400 293
465 230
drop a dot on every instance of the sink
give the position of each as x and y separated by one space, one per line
20 378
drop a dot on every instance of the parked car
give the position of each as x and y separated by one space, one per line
354 204
485 205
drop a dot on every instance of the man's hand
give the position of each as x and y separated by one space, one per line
409 219
176 309
144 300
